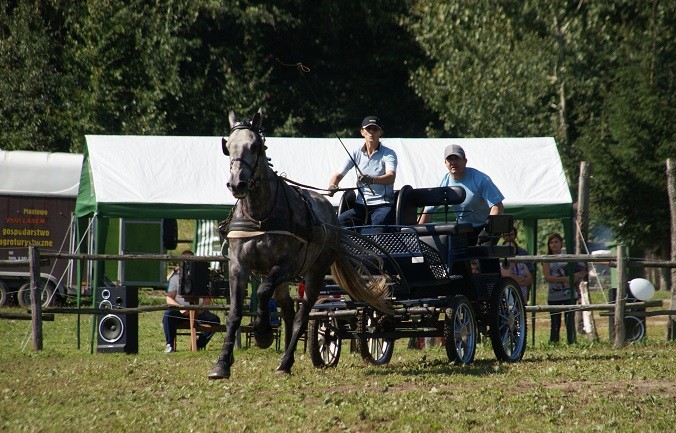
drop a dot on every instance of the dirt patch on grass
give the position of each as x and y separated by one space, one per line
637 387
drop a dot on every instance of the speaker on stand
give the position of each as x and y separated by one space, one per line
634 320
117 332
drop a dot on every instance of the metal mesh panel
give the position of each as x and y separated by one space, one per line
405 244
395 244
433 259
484 285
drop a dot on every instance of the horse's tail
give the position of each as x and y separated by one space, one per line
351 274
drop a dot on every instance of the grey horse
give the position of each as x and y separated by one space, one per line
280 234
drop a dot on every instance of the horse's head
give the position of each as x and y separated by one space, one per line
246 148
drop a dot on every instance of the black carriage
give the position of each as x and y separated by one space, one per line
440 286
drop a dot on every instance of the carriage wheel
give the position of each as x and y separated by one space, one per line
323 342
377 351
460 331
508 321
4 294
46 294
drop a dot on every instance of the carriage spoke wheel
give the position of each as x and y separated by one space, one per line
460 331
323 342
507 321
377 351
4 294
46 290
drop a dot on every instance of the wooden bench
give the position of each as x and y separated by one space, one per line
194 327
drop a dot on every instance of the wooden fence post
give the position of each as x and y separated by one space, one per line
671 193
621 297
36 298
582 209
582 232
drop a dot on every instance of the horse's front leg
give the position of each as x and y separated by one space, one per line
262 329
312 285
238 283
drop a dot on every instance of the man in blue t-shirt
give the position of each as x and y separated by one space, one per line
377 170
483 198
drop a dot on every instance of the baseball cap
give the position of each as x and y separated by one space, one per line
454 149
371 120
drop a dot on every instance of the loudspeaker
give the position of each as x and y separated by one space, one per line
195 279
170 233
634 320
117 332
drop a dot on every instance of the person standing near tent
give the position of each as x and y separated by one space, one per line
172 316
377 167
560 293
483 198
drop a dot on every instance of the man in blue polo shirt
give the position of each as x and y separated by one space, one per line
377 167
483 197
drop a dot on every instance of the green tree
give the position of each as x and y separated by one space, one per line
487 76
31 81
629 142
359 55
124 59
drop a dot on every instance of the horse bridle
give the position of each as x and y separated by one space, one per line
246 124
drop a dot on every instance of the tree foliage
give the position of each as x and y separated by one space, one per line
598 76
633 134
487 75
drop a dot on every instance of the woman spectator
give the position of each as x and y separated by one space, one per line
560 293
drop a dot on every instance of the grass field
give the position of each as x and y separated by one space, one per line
587 387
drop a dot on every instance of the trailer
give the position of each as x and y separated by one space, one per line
39 194
440 286
37 199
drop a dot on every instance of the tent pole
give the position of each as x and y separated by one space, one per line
94 279
531 230
78 274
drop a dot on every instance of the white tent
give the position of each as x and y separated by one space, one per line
185 177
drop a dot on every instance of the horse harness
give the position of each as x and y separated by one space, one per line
249 226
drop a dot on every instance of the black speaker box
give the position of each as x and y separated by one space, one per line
117 332
170 233
195 279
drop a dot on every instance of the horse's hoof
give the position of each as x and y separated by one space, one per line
219 371
264 340
280 370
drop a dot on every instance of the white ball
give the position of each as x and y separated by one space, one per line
642 289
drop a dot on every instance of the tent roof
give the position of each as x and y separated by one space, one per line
185 177
39 173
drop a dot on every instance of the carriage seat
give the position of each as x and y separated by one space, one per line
349 199
437 236
410 199
497 226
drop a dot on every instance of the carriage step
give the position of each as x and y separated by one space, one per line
421 301
337 305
